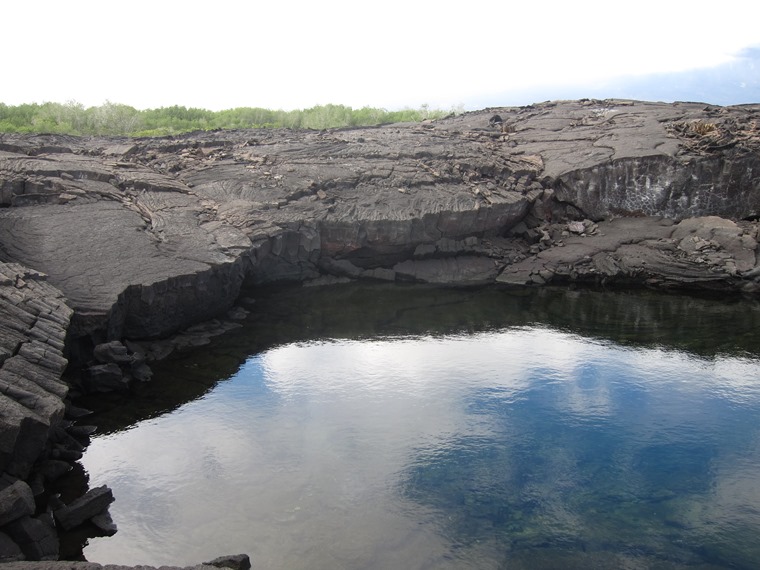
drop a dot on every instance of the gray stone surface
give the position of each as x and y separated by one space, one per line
33 324
235 562
37 539
698 253
16 501
94 502
105 523
31 389
104 378
9 550
113 351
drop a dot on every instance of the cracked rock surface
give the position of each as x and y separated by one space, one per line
148 236
33 322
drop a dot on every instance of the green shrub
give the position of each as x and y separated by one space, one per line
117 119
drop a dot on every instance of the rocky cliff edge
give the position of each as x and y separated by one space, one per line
147 236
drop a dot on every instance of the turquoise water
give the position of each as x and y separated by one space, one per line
542 430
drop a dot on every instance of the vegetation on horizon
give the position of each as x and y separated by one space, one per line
116 119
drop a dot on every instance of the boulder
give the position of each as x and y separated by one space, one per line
92 503
16 501
9 550
113 351
104 523
141 372
233 562
101 378
459 270
36 539
52 469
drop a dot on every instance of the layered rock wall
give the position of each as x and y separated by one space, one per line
152 310
663 186
33 322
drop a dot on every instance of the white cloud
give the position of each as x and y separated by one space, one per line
294 54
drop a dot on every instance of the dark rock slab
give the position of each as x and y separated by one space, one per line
460 270
37 539
652 251
124 265
104 523
9 550
234 562
31 389
101 378
113 351
92 503
52 470
141 372
16 501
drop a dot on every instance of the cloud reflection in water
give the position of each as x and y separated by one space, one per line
449 452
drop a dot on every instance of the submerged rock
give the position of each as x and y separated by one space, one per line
91 504
105 523
105 378
112 352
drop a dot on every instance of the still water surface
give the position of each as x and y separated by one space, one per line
388 428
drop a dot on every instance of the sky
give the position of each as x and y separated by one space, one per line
292 54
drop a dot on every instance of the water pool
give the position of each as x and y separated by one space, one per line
385 428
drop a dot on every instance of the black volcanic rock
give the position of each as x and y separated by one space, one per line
91 504
148 236
37 539
16 501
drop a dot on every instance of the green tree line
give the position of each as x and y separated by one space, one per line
117 119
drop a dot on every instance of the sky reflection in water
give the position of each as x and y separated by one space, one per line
521 447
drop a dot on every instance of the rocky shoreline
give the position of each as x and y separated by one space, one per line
116 251
235 562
